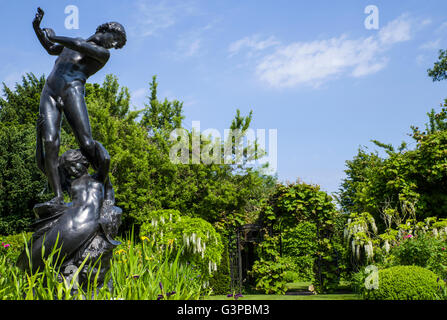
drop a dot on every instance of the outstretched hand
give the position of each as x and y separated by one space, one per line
38 18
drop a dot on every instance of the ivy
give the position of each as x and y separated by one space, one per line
297 203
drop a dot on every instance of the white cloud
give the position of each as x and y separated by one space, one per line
315 62
426 22
421 59
153 16
442 27
398 30
431 45
188 45
193 47
14 77
252 43
192 42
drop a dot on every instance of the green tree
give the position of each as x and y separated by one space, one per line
21 105
439 70
21 183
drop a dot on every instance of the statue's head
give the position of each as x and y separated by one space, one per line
74 163
110 35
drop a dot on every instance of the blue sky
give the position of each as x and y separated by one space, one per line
309 69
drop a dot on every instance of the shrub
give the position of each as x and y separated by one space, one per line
406 283
291 276
270 275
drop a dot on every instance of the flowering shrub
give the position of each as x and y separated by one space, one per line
12 245
412 242
197 240
358 233
422 250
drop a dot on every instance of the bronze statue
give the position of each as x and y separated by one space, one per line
86 226
64 91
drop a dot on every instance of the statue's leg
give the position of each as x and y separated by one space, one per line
76 114
50 134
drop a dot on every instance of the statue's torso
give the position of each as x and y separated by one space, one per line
87 197
71 68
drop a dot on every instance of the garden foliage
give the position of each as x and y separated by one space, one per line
139 271
393 205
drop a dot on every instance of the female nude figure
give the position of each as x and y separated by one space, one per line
64 92
74 226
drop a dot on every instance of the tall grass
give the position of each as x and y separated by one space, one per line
139 271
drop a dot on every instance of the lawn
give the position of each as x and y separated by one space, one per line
343 296
294 288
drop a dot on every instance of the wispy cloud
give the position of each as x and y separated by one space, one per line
14 77
192 43
398 30
431 45
442 27
151 16
252 44
315 62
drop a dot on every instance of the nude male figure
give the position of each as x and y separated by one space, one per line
64 92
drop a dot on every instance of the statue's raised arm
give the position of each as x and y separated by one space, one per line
42 34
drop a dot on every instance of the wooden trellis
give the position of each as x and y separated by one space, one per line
241 253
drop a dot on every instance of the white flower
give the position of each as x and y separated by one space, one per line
357 251
386 246
373 225
369 250
435 232
199 245
345 232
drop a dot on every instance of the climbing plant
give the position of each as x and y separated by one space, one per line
299 202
